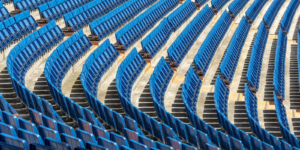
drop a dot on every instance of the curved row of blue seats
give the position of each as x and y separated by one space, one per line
96 65
157 38
158 85
221 95
283 123
57 8
126 75
236 6
16 27
4 14
30 48
197 137
23 5
190 101
256 58
191 90
131 124
211 43
253 11
116 122
232 55
23 55
59 62
103 26
218 4
140 25
201 2
159 81
288 16
60 98
279 66
87 13
272 11
189 35
261 133
221 98
181 14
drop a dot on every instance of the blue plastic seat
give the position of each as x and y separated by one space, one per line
202 139
73 141
57 144
84 125
119 121
224 141
30 137
48 132
85 136
146 141
50 123
10 120
108 144
130 135
100 132
13 141
120 140
7 129
157 129
36 117
136 145
256 144
63 128
174 143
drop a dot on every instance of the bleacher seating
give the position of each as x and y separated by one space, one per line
23 5
127 73
157 38
30 122
217 5
211 43
221 95
141 24
81 16
289 15
15 28
4 14
190 92
58 135
279 70
236 6
181 14
57 8
30 48
257 53
103 26
180 47
58 64
253 11
283 123
23 55
261 134
298 55
232 55
90 80
271 13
